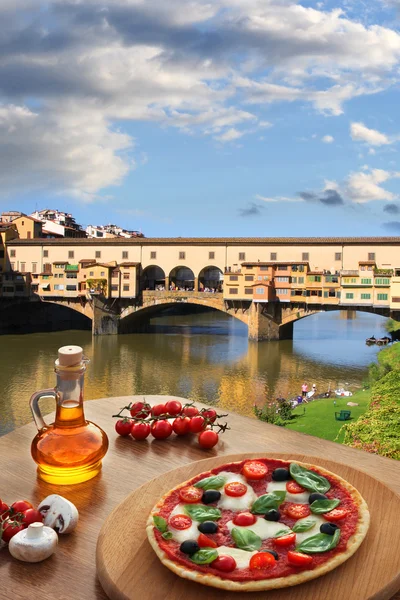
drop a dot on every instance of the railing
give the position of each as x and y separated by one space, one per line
350 273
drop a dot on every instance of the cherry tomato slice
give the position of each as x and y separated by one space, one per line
224 563
336 514
285 540
297 511
190 494
205 542
298 559
254 470
261 560
294 488
180 522
235 489
244 519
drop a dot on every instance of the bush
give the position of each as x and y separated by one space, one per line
277 412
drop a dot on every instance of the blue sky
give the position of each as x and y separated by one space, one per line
196 118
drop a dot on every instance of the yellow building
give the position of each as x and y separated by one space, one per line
28 227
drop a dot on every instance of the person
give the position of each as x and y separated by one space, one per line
314 388
304 390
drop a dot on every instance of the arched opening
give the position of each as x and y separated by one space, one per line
211 280
32 317
181 278
153 278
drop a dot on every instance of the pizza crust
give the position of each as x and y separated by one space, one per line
212 580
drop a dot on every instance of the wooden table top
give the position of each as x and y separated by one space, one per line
71 572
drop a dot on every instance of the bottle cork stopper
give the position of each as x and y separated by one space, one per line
69 356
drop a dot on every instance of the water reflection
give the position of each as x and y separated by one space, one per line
205 357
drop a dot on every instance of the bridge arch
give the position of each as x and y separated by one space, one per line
152 278
210 277
182 277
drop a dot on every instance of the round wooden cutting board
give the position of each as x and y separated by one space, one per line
129 569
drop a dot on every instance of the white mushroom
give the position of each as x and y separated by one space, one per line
59 513
33 544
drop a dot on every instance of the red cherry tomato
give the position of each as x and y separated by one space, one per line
235 489
10 531
123 427
244 519
20 506
180 522
253 469
181 425
3 507
31 516
336 514
210 414
190 411
140 409
208 438
161 429
224 563
205 542
298 559
294 488
158 410
190 494
297 511
197 424
262 560
173 407
285 540
140 431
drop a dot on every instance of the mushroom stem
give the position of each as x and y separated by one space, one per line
34 531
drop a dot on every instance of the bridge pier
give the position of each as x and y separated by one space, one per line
105 320
261 327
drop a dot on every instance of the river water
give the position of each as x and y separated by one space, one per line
204 357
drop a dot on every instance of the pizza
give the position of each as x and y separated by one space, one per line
258 524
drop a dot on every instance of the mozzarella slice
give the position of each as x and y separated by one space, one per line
242 557
314 530
180 535
230 502
265 529
178 510
275 486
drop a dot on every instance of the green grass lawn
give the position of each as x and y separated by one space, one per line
319 416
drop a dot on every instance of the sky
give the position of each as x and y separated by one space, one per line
204 117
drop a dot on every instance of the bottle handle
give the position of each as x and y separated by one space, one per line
34 405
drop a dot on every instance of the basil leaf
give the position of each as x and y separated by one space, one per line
160 524
167 535
301 526
245 539
199 512
282 532
308 479
318 507
204 556
211 483
267 501
321 542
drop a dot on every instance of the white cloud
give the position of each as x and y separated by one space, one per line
277 198
230 135
361 133
328 139
366 186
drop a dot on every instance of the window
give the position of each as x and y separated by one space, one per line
366 281
28 235
233 278
349 296
382 281
23 266
305 256
102 273
365 296
45 253
248 291
71 254
97 254
282 279
34 267
72 275
338 256
260 290
233 291
371 255
211 255
114 288
282 268
382 296
60 287
294 279
249 277
242 256
259 278
264 268
22 222
265 277
301 279
153 255
282 291
182 255
47 268
91 274
273 256
12 253
59 266
71 288
315 278
125 288
114 274
126 276
125 254
61 275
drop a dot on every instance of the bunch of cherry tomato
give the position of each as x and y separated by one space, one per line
161 420
16 517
